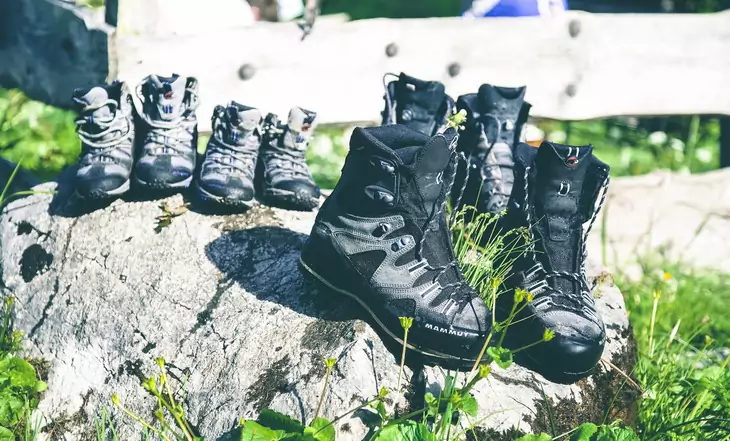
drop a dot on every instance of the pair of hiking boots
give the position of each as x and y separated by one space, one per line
156 148
382 237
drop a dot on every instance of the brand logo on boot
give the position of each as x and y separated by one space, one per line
446 330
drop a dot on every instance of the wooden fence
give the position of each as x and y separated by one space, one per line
577 66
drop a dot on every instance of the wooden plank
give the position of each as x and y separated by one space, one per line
615 64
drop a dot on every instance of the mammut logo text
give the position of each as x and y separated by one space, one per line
447 330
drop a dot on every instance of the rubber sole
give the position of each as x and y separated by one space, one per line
555 377
208 197
155 186
289 199
101 195
433 355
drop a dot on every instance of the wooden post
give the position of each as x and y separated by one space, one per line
724 141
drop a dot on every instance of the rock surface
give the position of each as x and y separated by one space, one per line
220 297
686 217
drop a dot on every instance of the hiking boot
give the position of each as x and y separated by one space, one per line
559 190
283 177
167 145
420 105
227 171
381 238
106 128
495 117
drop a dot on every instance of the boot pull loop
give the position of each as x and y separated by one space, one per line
572 160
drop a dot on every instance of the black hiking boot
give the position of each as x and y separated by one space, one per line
495 117
559 190
106 128
168 132
283 177
382 239
227 170
420 105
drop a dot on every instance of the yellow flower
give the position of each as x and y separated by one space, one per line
667 276
329 362
548 335
406 322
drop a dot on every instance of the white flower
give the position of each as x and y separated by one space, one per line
676 144
657 138
703 155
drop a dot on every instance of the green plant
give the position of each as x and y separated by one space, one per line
42 136
19 388
167 408
680 320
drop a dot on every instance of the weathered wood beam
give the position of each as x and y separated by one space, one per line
579 66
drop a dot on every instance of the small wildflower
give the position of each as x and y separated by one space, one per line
484 370
457 119
150 385
383 392
529 297
657 294
241 422
330 362
520 295
406 322
9 301
159 415
455 397
115 399
667 276
548 335
160 362
708 340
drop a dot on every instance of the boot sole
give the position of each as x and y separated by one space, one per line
290 200
559 377
101 195
434 355
208 197
159 186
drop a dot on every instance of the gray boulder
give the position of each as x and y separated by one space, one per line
220 297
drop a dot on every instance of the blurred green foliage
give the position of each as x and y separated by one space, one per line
41 136
44 138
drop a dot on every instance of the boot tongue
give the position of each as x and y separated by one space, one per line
167 94
561 173
94 100
505 104
243 120
300 126
431 161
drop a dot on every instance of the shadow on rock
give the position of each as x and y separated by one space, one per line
265 262
66 203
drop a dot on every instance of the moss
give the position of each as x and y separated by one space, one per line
273 381
607 397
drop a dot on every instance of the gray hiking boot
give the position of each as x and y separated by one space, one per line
284 177
495 119
105 126
227 172
167 145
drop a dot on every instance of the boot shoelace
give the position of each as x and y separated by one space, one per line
460 296
100 149
496 189
539 286
389 103
284 161
168 137
237 158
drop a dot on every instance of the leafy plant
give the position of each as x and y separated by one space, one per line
19 386
167 408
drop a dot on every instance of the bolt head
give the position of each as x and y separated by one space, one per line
391 50
246 72
454 69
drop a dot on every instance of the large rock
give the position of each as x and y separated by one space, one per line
221 298
685 217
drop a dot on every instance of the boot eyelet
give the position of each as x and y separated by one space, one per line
564 188
381 230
